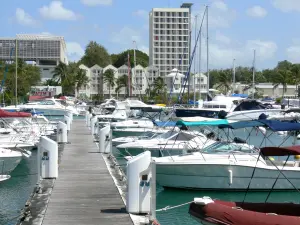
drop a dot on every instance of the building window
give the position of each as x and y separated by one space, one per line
156 14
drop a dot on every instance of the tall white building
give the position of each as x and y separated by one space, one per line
170 38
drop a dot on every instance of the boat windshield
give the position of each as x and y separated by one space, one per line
226 147
148 135
167 135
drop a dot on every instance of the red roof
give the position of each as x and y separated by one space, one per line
4 113
36 97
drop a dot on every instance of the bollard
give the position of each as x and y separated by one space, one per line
139 184
89 120
62 132
70 115
93 124
86 117
47 158
105 139
67 121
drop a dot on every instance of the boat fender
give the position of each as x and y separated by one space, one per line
203 201
230 176
155 222
222 114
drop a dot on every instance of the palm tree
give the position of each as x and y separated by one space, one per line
224 81
122 82
159 86
60 72
282 77
109 79
80 79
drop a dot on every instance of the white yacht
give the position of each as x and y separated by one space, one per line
48 107
173 142
231 108
227 166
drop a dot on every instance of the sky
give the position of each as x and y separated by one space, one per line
236 27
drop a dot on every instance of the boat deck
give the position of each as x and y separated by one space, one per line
84 192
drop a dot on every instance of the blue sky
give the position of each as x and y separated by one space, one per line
236 27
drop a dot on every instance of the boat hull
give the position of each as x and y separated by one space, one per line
200 176
251 114
8 164
154 152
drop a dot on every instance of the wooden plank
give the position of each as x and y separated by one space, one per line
84 192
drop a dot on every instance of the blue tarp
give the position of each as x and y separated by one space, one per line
240 95
165 123
202 123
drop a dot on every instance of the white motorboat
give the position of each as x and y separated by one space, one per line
48 107
173 142
9 160
231 108
230 166
145 136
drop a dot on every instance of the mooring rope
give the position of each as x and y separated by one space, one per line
173 207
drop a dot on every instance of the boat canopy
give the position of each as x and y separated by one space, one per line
274 125
4 113
209 122
280 151
165 123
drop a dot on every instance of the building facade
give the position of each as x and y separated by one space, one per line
169 40
46 51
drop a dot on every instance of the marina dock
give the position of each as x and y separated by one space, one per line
84 192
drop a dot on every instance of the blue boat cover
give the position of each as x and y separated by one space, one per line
241 124
202 123
240 95
276 125
165 123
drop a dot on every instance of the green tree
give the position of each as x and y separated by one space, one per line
51 82
282 77
109 79
95 54
60 72
159 86
122 82
80 79
224 81
119 60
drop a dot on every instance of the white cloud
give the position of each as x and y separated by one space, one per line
74 51
220 5
141 13
222 38
257 11
126 36
96 2
24 18
56 11
293 53
221 56
219 15
287 5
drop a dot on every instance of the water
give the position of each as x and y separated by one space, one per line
15 191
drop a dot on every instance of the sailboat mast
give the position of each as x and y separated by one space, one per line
207 52
16 75
253 70
134 61
233 75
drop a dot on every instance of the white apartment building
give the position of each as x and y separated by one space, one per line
169 30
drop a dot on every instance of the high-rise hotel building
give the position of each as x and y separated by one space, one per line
170 44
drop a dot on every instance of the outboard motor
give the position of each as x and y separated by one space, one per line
222 114
262 116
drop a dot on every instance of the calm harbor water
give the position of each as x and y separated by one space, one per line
15 191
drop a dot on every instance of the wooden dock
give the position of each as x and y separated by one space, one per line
84 193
